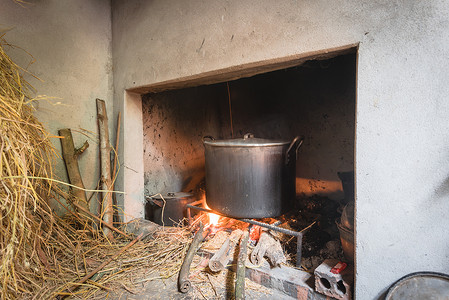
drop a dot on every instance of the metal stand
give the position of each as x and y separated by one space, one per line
297 234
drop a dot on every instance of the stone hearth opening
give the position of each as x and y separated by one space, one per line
315 99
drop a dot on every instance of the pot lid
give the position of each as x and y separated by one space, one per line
171 196
247 141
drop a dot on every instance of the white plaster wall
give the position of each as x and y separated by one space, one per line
402 157
71 43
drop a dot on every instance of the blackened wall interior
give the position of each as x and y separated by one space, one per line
316 99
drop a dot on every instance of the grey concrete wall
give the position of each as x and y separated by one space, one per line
71 44
401 132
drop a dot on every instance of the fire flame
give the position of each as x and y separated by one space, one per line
213 218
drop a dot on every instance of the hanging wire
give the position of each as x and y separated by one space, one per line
230 110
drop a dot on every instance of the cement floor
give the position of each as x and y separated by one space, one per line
167 289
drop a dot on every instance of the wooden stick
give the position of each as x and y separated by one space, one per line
105 159
270 247
117 140
105 263
102 222
114 168
240 274
70 156
221 258
184 284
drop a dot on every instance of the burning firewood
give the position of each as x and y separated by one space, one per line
221 258
271 248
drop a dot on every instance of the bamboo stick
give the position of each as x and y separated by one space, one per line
105 151
240 274
114 168
117 140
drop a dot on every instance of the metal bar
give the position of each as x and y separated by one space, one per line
196 202
298 250
261 224
275 228
192 205
189 216
297 234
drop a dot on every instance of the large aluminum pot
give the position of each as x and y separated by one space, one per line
250 177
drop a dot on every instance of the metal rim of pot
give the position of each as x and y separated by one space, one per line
398 288
249 140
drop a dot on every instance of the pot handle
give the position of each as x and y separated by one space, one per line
208 137
296 141
248 136
159 203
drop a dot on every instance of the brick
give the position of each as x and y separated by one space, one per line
338 286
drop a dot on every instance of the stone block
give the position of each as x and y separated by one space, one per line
140 225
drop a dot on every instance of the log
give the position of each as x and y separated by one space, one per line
271 248
184 284
70 155
275 254
221 258
240 274
105 162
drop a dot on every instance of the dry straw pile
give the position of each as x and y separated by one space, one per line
26 221
43 256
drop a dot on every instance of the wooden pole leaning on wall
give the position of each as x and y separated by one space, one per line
114 168
70 155
107 210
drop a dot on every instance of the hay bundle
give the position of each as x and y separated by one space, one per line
26 220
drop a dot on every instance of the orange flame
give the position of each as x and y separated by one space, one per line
213 218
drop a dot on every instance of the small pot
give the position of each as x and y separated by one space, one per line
250 177
170 209
347 242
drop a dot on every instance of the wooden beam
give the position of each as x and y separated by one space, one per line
70 156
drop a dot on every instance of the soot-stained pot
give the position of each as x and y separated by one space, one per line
170 208
250 177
